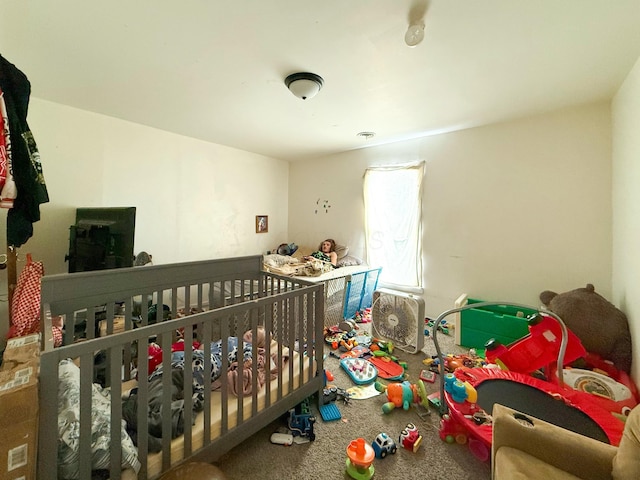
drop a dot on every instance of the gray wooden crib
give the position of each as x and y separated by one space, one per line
117 321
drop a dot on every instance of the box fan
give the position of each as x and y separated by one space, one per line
398 317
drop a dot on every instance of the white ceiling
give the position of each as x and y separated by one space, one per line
215 69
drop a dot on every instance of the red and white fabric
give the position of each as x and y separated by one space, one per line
25 303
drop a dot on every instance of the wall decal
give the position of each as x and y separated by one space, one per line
322 205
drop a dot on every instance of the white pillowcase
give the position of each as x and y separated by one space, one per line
348 261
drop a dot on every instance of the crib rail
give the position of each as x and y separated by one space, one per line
244 299
92 304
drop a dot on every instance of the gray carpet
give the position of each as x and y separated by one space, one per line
324 459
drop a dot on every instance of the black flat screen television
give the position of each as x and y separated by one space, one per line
102 238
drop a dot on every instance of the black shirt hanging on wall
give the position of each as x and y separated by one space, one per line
25 159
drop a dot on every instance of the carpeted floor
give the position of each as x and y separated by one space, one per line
325 458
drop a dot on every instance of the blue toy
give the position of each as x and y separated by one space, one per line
383 445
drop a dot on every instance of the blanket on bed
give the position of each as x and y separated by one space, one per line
290 266
69 427
237 384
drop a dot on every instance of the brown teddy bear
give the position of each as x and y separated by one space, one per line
600 326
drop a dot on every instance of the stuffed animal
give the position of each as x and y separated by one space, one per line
602 328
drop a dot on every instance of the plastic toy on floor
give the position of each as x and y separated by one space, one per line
410 438
360 371
388 368
403 395
550 346
383 445
537 350
360 457
301 421
429 323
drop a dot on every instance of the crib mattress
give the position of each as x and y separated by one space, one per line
154 465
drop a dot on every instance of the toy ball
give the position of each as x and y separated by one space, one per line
199 470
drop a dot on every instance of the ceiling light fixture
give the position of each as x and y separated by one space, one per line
414 35
304 85
366 135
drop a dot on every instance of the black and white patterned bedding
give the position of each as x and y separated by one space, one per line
69 426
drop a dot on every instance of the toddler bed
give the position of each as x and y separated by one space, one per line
257 342
347 288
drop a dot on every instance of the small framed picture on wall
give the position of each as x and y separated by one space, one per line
262 223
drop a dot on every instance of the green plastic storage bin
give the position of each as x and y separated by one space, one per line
504 323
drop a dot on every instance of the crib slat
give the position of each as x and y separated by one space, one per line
318 325
255 386
188 388
116 411
206 341
69 327
224 387
142 419
187 300
291 339
144 309
86 382
281 324
268 327
300 335
166 401
199 297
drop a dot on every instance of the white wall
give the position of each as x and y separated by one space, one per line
195 200
626 206
509 209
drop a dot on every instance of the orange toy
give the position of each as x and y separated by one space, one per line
403 395
360 459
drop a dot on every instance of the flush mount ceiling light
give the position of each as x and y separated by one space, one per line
304 85
414 35
366 135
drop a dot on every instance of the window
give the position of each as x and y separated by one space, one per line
393 212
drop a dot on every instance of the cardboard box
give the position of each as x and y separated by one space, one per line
20 350
19 421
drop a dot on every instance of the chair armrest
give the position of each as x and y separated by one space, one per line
584 457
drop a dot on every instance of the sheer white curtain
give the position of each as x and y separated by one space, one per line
393 214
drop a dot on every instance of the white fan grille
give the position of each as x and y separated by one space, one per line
399 318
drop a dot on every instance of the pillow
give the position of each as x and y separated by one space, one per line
342 251
348 261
